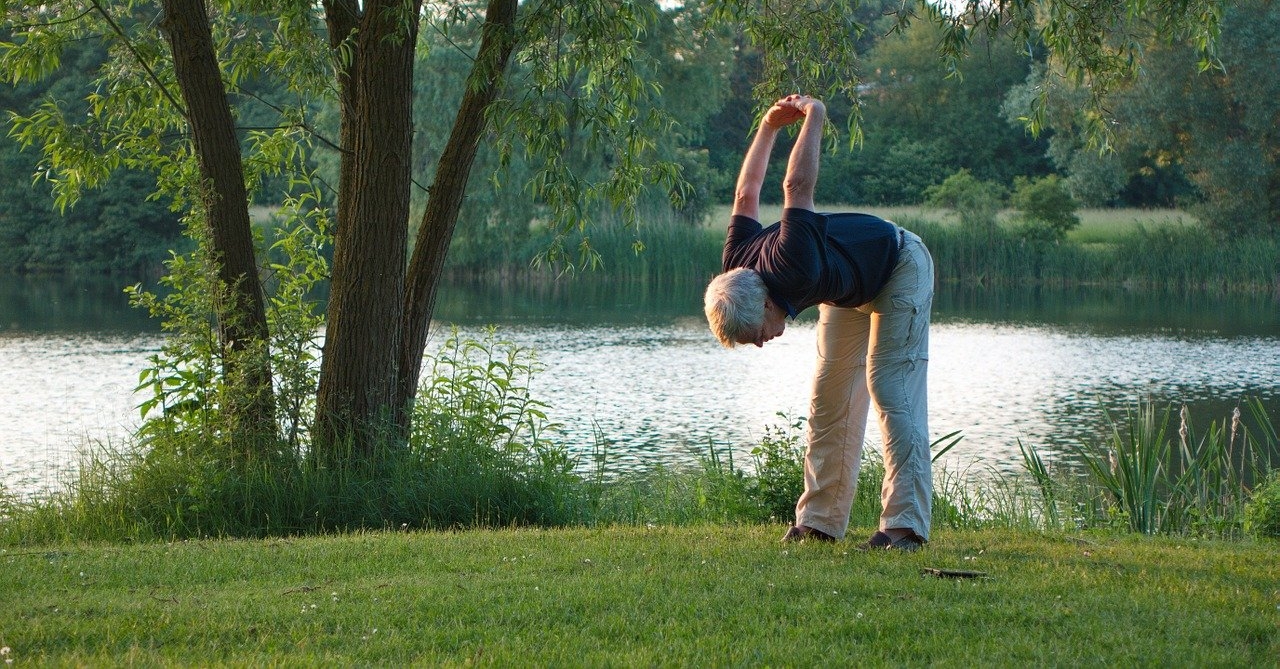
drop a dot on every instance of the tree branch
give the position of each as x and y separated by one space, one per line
280 110
115 27
47 24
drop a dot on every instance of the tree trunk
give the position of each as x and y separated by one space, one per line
447 190
242 320
355 404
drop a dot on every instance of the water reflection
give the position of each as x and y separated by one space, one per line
69 304
1115 310
637 366
1101 310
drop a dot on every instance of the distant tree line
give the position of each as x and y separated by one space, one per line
119 228
1178 136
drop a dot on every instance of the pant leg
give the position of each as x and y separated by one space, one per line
897 373
837 420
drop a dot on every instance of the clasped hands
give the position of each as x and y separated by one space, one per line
790 109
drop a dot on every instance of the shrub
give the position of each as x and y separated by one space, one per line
976 202
900 175
1262 513
1046 207
481 441
779 460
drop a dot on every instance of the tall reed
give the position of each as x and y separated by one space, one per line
661 247
1156 255
1148 479
1163 258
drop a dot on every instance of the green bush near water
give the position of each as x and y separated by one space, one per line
1262 513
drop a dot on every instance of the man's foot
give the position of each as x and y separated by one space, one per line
882 541
803 533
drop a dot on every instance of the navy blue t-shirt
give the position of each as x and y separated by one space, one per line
809 258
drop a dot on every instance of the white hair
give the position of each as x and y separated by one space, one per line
734 303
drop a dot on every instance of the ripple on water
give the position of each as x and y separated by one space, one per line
58 394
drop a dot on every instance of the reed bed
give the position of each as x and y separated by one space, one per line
1161 250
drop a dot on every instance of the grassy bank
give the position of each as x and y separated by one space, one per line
693 596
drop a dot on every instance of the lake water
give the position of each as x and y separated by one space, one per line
637 366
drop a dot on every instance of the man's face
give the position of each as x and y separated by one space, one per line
775 321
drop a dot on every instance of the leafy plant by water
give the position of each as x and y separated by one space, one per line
779 469
188 384
1147 479
1262 513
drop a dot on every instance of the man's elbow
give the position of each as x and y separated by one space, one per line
798 192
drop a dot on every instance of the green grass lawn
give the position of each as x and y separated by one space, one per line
707 595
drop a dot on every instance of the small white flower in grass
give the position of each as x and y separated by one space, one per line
859 614
4 651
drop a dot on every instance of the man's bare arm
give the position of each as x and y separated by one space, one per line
746 196
802 168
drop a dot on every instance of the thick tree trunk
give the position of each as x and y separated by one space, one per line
356 402
441 216
242 320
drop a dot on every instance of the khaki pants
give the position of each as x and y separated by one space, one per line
876 352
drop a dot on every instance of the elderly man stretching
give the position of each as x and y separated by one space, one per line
873 284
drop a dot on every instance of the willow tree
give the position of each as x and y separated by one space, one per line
543 71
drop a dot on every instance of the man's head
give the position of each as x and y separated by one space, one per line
739 310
